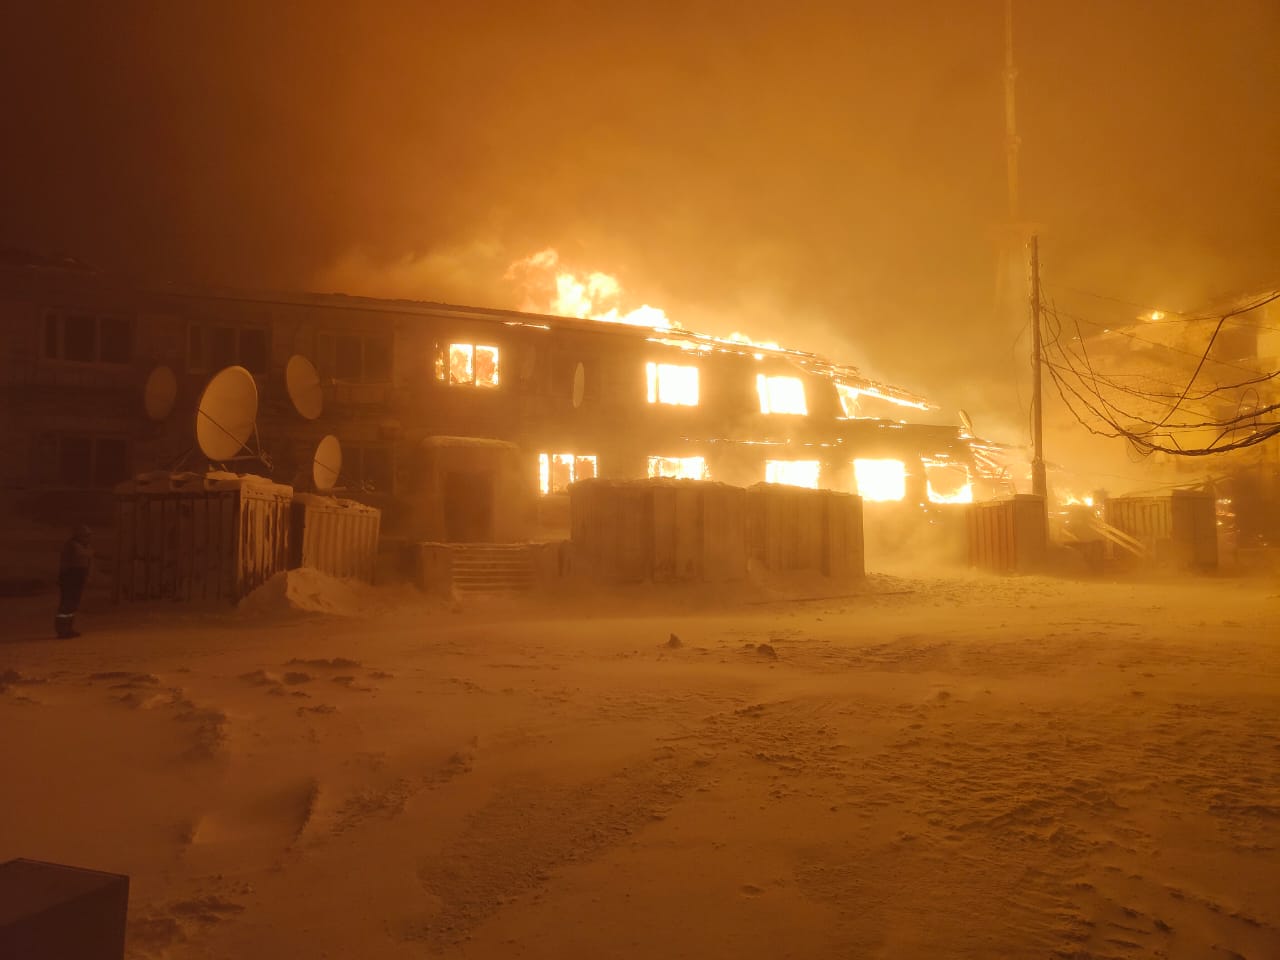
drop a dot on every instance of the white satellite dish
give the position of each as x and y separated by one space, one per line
579 385
326 464
226 414
160 393
303 386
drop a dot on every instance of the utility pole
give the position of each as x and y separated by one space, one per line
1011 138
1039 483
1011 264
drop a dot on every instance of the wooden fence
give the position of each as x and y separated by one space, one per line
1008 535
695 531
197 537
1180 529
337 537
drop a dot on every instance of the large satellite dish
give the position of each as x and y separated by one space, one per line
226 414
579 385
160 393
303 385
326 465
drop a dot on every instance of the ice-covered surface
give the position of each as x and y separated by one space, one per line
936 767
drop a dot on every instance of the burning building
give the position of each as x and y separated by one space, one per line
462 424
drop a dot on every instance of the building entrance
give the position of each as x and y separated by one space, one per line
468 506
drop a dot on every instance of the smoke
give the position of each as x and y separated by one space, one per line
827 177
463 274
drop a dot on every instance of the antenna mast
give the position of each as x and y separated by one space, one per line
1011 140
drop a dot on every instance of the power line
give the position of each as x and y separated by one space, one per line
1086 393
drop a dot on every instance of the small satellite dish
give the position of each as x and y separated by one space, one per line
226 414
160 393
327 463
303 385
579 385
967 423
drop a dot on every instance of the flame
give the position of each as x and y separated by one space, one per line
880 479
557 470
1071 500
672 383
947 482
849 402
793 473
678 468
743 339
781 395
550 288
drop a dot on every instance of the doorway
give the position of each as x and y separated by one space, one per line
468 506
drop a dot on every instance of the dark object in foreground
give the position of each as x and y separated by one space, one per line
56 912
73 574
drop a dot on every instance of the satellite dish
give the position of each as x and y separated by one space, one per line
967 422
226 413
160 393
327 463
579 385
303 386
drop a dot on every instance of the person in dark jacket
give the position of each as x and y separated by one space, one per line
73 573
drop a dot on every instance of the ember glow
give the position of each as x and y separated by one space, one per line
672 383
781 394
678 468
880 480
793 473
557 470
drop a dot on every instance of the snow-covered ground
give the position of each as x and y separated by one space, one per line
949 767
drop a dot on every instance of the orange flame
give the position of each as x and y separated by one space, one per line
550 288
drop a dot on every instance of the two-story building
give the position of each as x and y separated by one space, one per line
462 423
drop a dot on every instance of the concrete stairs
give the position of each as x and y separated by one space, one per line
492 569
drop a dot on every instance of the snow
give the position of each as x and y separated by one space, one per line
308 591
944 766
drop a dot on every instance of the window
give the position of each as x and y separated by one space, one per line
672 383
354 358
86 462
85 338
557 470
793 473
678 468
781 395
947 482
468 364
213 346
880 479
369 467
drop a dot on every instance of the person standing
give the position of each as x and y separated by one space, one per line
73 573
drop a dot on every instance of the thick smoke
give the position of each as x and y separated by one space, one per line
828 177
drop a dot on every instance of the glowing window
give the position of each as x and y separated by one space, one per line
793 473
880 479
557 470
781 394
947 482
470 364
678 468
672 383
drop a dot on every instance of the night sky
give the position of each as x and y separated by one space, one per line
830 175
